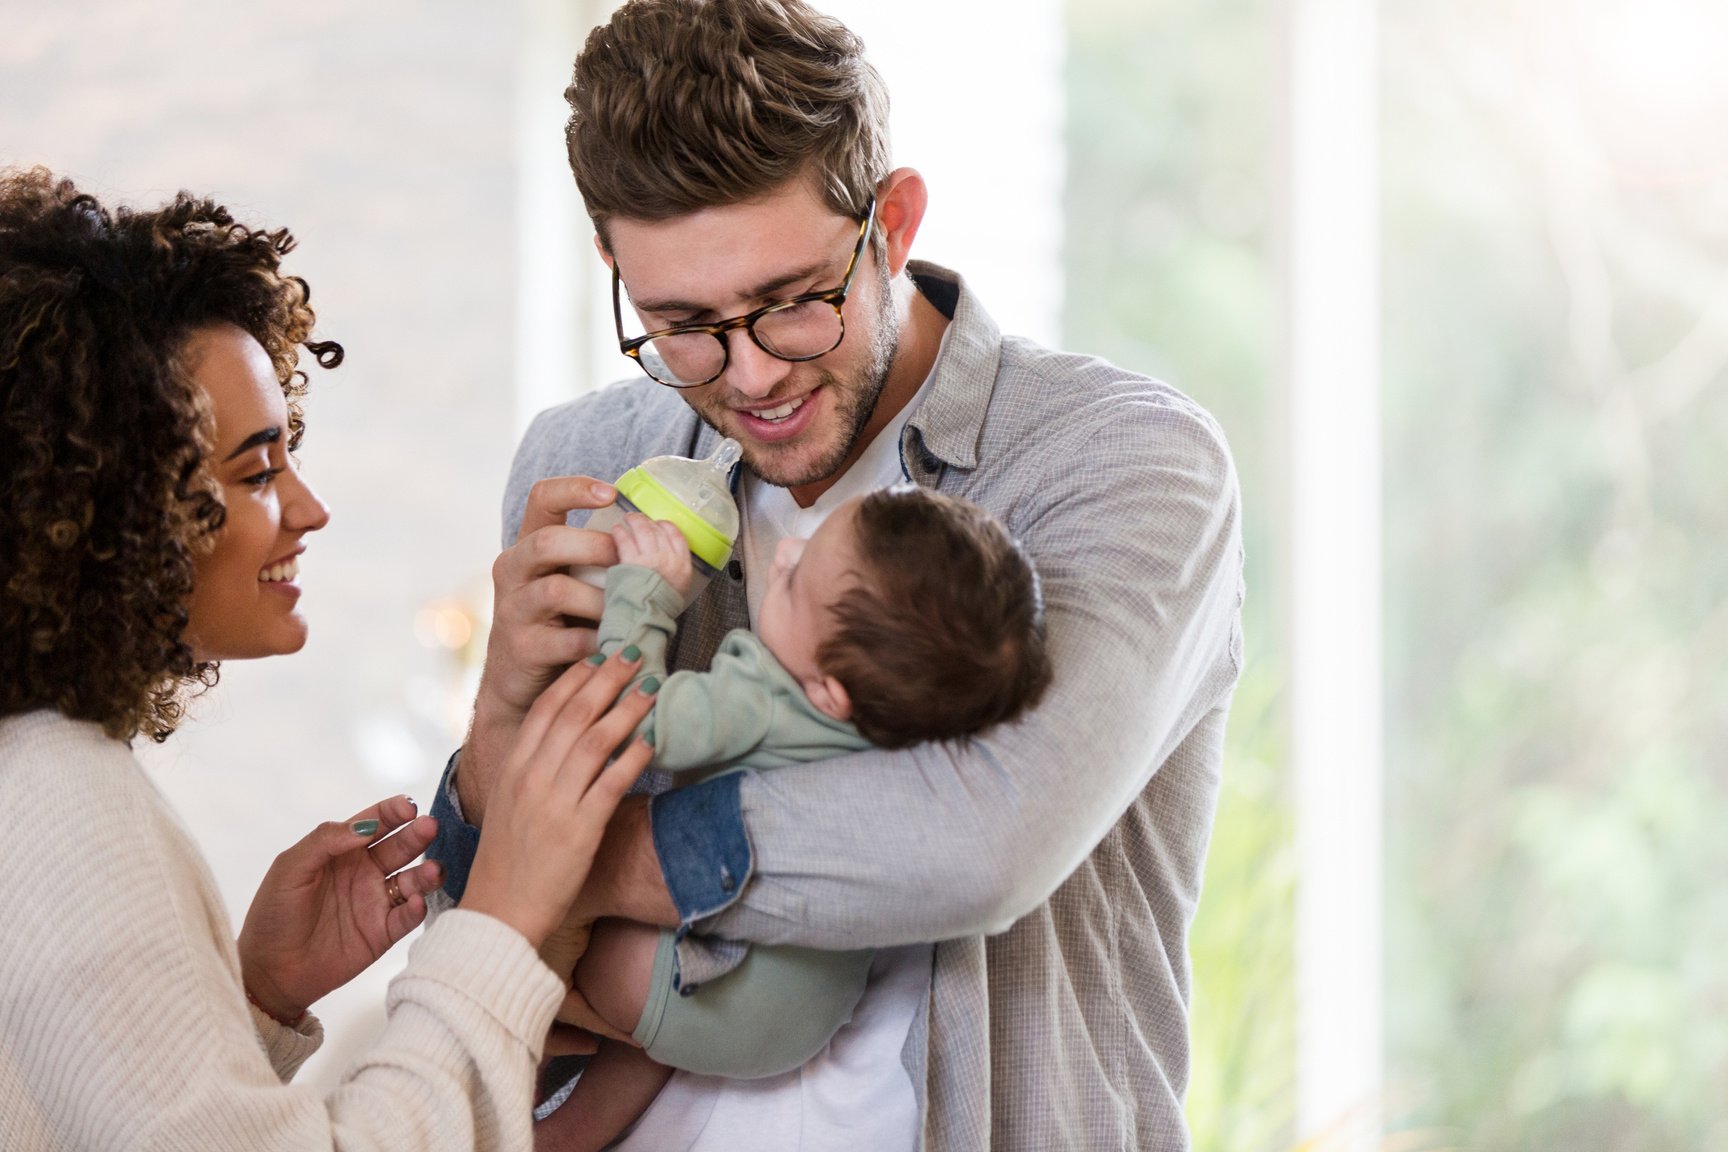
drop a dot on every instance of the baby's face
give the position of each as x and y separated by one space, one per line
808 578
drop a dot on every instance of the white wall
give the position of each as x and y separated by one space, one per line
977 107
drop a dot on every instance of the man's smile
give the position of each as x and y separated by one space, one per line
782 421
780 412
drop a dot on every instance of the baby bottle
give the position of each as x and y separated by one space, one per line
693 494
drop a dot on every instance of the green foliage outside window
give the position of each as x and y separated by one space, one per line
1556 355
1169 272
1555 392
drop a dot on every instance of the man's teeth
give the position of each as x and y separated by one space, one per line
277 573
781 412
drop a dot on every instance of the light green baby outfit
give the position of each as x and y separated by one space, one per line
780 1005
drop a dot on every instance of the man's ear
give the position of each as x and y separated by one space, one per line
900 204
829 696
600 247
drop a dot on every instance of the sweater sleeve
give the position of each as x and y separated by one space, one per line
641 609
123 1022
287 1047
702 719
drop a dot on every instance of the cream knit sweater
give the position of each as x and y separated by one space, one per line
123 1023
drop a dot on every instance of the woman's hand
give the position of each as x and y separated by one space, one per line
549 808
334 903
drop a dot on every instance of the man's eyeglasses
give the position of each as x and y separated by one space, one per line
802 328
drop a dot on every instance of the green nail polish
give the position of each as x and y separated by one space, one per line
365 827
648 739
632 654
597 659
650 686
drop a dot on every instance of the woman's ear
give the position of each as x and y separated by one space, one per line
900 203
829 696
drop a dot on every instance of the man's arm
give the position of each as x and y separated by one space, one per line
1139 554
535 601
532 639
531 642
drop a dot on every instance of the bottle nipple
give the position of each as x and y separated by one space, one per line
725 455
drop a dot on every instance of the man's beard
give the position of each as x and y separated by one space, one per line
854 407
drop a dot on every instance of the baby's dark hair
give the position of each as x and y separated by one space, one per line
942 636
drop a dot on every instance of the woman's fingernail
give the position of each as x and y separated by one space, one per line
650 686
648 739
597 659
365 827
411 803
602 491
632 654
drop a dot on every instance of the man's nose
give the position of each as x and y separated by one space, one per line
749 370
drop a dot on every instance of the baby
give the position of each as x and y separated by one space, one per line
908 617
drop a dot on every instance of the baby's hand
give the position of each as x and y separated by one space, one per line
655 544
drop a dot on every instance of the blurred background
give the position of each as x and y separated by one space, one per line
1452 273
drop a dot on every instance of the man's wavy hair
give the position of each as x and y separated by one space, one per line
942 634
104 502
680 105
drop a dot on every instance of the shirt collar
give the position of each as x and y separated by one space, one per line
951 419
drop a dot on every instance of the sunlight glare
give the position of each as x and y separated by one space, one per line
1650 78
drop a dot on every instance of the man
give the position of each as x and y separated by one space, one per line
733 155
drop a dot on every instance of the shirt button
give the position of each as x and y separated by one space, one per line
726 880
735 570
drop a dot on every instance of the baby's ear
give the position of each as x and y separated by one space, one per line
829 696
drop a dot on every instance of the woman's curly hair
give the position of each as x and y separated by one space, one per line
104 502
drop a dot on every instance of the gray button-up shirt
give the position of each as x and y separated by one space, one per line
1058 860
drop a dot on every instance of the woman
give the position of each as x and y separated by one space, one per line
150 523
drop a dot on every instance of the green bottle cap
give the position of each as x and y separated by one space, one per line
655 502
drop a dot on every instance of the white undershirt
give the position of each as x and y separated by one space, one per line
855 1093
770 514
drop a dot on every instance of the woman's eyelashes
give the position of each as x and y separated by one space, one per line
262 479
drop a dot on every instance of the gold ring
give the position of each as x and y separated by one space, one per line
393 890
